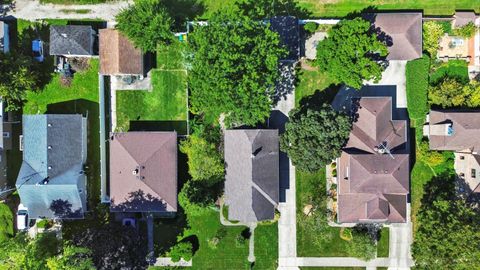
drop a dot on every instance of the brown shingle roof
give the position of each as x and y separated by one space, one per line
405 31
118 55
143 172
465 127
461 18
371 185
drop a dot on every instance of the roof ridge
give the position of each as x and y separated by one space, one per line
264 194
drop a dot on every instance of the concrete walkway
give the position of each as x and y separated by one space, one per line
34 10
340 262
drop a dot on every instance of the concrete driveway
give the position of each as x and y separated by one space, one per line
394 74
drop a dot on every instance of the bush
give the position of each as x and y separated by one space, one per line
446 26
432 32
310 27
362 245
181 250
417 88
6 222
448 93
240 240
431 158
334 172
466 31
346 234
213 242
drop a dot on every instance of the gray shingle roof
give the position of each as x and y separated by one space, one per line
54 149
252 174
71 40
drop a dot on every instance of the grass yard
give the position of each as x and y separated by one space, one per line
227 254
308 82
81 97
382 245
266 247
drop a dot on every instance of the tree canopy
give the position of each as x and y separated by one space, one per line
448 229
73 258
313 138
146 23
451 93
432 32
181 250
234 68
352 53
17 78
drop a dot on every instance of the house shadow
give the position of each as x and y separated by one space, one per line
277 120
320 97
440 187
183 10
62 209
180 126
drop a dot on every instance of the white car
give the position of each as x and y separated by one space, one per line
22 218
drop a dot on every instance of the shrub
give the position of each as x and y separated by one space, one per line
213 242
449 92
333 165
310 27
417 88
362 245
431 158
334 172
466 31
240 240
432 32
346 234
455 69
181 250
446 26
6 221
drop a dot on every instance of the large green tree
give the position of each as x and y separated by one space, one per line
352 53
72 258
448 233
234 68
16 79
451 93
313 138
432 32
146 23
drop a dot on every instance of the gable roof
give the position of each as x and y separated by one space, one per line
373 185
71 40
252 174
462 18
51 174
465 127
288 29
403 33
143 172
118 55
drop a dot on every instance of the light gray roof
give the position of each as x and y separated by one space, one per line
252 174
71 40
54 150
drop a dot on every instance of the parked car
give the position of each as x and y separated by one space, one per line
22 218
37 49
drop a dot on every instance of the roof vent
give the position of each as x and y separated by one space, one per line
49 125
46 180
64 35
49 167
255 153
135 172
375 171
385 171
49 147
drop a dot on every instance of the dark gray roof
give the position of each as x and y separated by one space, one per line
252 174
54 149
288 29
71 40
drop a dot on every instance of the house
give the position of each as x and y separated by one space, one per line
143 172
373 169
252 174
72 40
118 56
462 18
51 182
4 37
458 131
288 30
401 31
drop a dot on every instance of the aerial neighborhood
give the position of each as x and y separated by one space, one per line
239 134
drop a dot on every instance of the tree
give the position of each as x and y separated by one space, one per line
352 53
204 160
147 24
264 9
181 250
361 246
6 221
313 138
447 229
449 92
73 258
466 31
234 68
473 91
432 32
17 78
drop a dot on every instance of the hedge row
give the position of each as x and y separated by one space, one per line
417 89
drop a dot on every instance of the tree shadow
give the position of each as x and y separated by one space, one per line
183 10
285 83
320 97
62 209
440 187
139 201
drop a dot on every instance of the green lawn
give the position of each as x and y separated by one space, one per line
382 246
308 82
80 97
266 247
168 99
227 254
